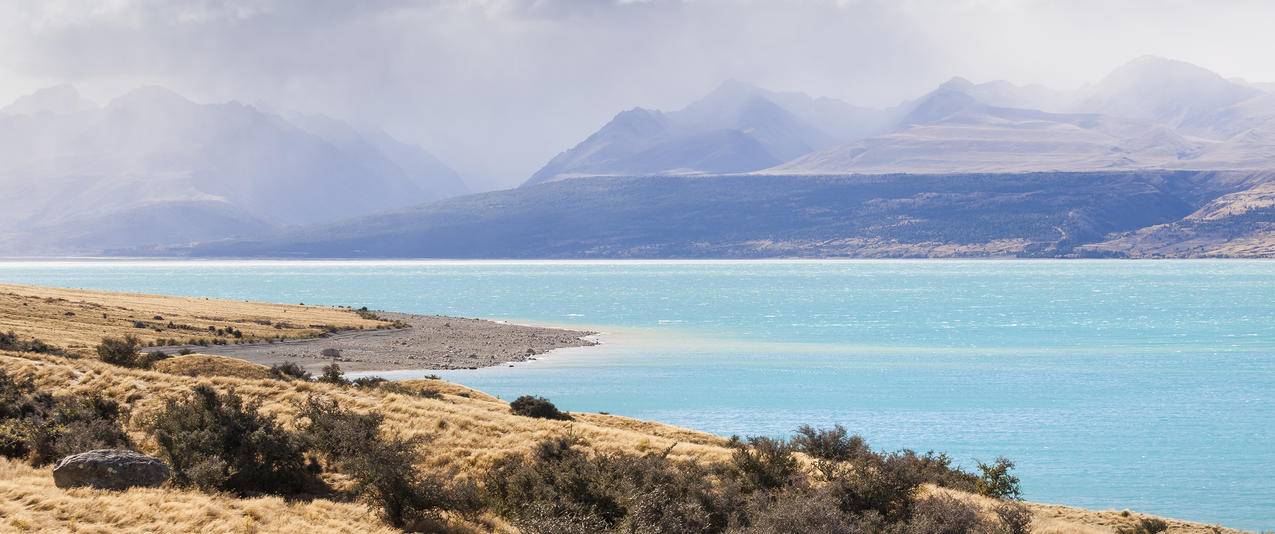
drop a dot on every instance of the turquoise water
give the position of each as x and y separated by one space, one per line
1113 384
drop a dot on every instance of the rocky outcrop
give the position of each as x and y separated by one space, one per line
110 469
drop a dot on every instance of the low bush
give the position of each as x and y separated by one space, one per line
941 514
9 341
43 428
885 485
538 407
382 468
1146 525
996 480
289 371
765 463
332 374
829 447
222 442
559 487
126 352
1014 517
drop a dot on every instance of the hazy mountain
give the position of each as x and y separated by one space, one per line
56 100
735 128
230 168
952 131
1164 91
1151 113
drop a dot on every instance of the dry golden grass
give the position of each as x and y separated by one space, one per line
208 365
465 430
29 502
76 320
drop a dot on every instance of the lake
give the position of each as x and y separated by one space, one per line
1113 384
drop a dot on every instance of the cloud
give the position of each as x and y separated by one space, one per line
497 87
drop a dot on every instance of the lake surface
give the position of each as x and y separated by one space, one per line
1112 384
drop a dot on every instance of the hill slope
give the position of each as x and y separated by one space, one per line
1034 214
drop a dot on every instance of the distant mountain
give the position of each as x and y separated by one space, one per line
152 167
735 128
747 216
56 100
1152 113
950 130
1164 91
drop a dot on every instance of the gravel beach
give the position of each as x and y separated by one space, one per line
432 342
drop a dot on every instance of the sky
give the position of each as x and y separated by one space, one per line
497 87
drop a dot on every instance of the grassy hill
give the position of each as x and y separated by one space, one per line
462 434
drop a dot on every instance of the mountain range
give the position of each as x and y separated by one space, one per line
1160 158
152 167
1152 113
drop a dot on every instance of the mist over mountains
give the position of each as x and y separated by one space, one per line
1152 113
151 167
153 173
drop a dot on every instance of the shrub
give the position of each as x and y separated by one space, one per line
765 463
996 481
937 469
382 468
884 485
1146 525
559 487
798 510
829 447
10 342
221 442
368 381
942 514
42 428
330 353
289 371
538 407
125 352
332 374
1014 517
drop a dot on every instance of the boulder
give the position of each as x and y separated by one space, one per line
110 469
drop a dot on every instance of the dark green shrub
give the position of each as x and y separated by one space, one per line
368 382
942 514
382 468
996 480
222 442
43 428
332 374
289 371
561 487
126 352
798 510
885 485
765 463
538 407
830 448
10 342
937 469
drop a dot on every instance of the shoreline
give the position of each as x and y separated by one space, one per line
430 343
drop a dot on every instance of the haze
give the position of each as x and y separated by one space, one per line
496 88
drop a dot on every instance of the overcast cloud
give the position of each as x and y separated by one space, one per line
497 87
